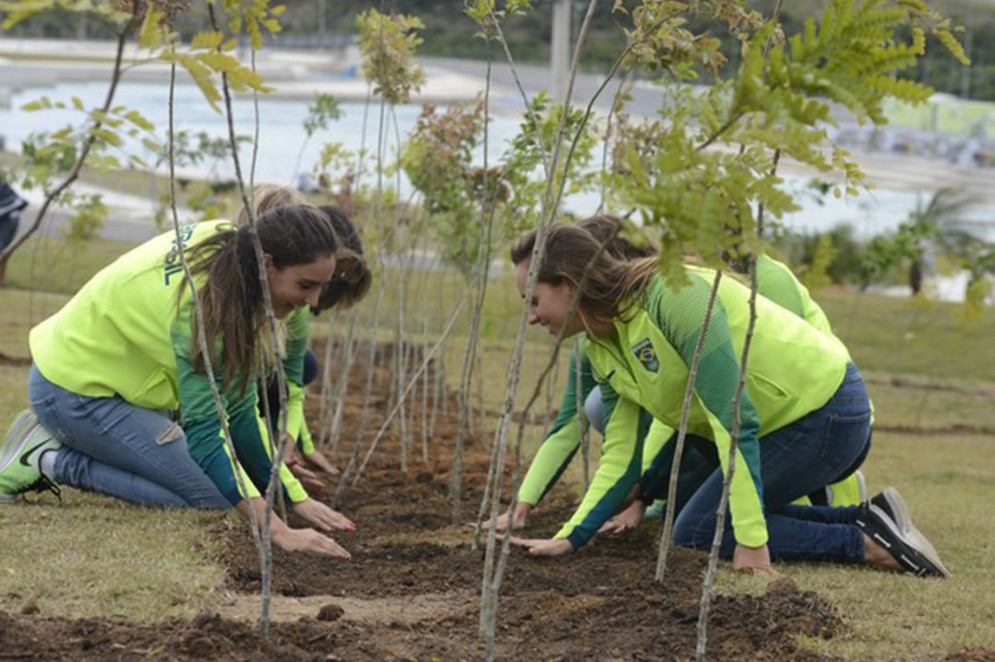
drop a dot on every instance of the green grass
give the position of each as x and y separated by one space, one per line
894 617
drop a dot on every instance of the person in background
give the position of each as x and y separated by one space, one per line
348 286
11 206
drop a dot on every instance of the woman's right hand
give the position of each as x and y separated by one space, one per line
307 540
516 518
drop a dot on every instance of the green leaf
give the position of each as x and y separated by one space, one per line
207 40
139 120
151 35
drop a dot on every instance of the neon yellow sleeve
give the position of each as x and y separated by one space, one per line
295 491
618 471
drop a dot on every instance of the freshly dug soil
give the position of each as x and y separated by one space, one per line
411 590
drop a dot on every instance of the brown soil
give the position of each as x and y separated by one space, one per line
411 591
18 361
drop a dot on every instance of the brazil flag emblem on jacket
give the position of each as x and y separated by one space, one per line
646 354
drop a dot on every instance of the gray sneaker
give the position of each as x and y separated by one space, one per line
20 458
892 503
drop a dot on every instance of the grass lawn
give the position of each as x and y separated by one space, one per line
928 369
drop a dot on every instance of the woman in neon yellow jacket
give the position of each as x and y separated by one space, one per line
804 416
124 353
776 282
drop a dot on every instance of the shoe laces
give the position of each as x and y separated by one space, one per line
43 484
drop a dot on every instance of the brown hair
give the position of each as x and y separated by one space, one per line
231 297
352 277
609 281
607 229
266 197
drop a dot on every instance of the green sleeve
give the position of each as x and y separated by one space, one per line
680 315
199 417
563 439
618 470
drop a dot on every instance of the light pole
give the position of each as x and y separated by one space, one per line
559 60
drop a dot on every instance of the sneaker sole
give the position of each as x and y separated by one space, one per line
911 564
902 517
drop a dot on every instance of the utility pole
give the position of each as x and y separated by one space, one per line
559 60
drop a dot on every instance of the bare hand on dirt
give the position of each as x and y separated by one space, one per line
322 517
626 520
318 460
517 519
308 540
755 560
543 546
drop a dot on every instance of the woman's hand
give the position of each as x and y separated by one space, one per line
543 547
307 540
751 559
516 518
322 517
318 460
626 520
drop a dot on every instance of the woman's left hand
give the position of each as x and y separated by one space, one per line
322 517
543 547
751 559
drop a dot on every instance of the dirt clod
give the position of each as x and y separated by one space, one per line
330 612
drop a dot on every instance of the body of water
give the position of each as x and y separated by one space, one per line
282 139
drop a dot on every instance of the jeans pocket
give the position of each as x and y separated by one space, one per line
845 439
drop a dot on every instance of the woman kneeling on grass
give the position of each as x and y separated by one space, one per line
699 459
804 416
123 354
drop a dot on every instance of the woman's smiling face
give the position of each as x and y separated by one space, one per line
549 304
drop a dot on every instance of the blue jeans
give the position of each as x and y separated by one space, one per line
818 449
115 448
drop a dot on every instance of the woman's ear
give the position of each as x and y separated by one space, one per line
268 262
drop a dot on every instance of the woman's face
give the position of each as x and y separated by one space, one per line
549 304
299 284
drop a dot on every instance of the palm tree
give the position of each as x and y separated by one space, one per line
939 223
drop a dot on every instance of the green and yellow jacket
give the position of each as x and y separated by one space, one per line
642 371
124 334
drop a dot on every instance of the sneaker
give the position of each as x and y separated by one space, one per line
892 503
20 458
909 553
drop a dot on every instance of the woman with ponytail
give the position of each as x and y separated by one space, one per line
115 365
803 419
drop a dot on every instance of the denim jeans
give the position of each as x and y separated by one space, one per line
115 448
818 449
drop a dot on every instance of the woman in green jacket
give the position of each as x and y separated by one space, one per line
804 417
777 283
124 354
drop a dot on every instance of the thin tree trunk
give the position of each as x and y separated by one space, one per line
401 398
668 522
